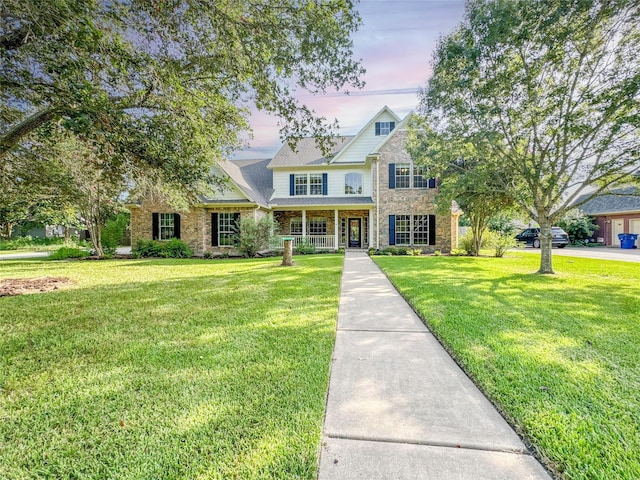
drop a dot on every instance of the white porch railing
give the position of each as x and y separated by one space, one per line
321 242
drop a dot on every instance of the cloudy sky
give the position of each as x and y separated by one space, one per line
395 43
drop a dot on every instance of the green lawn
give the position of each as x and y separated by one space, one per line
559 355
187 369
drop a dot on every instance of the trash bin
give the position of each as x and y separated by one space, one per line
627 240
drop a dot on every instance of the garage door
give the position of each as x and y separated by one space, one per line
617 226
634 227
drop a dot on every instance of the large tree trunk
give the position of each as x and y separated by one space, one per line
546 240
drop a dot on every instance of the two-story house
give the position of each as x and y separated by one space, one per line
366 193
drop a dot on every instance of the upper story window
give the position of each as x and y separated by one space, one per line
301 184
403 175
353 184
315 184
384 128
420 179
407 175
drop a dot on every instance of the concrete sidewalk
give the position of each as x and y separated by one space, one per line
399 407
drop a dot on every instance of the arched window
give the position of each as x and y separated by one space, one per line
353 184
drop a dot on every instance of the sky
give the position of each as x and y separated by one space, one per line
395 43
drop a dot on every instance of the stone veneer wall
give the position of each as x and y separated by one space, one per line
195 224
406 201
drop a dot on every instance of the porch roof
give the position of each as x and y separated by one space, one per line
320 201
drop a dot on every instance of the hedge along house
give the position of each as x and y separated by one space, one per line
366 193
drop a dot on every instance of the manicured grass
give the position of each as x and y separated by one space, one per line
167 369
559 355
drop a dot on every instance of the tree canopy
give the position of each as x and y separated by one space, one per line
546 93
162 87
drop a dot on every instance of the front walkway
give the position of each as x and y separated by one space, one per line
398 406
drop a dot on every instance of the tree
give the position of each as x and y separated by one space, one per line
546 92
256 235
165 88
462 178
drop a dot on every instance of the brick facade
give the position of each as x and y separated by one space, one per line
195 224
408 201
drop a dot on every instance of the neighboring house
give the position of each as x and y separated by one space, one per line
615 213
366 193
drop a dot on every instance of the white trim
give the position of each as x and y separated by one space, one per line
335 227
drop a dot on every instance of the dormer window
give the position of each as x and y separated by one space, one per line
384 128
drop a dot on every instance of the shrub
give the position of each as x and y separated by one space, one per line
207 254
68 252
305 248
437 253
147 248
342 250
372 251
466 243
390 251
175 248
256 236
500 242
172 249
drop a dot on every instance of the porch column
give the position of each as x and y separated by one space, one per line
304 225
371 224
335 229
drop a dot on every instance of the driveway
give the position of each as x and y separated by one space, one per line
602 253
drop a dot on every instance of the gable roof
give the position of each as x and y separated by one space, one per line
364 129
307 153
251 177
401 127
621 200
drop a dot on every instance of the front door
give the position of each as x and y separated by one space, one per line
354 233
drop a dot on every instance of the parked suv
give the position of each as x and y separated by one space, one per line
531 237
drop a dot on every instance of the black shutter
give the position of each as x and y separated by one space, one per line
214 229
377 128
432 183
292 185
392 125
325 184
392 229
392 175
176 225
432 229
155 225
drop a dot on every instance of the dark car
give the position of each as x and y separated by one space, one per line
531 237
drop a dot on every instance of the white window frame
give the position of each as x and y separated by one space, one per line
300 183
420 229
315 184
226 229
166 226
403 229
297 222
402 180
317 226
353 181
420 174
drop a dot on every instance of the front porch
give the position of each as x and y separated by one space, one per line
326 229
